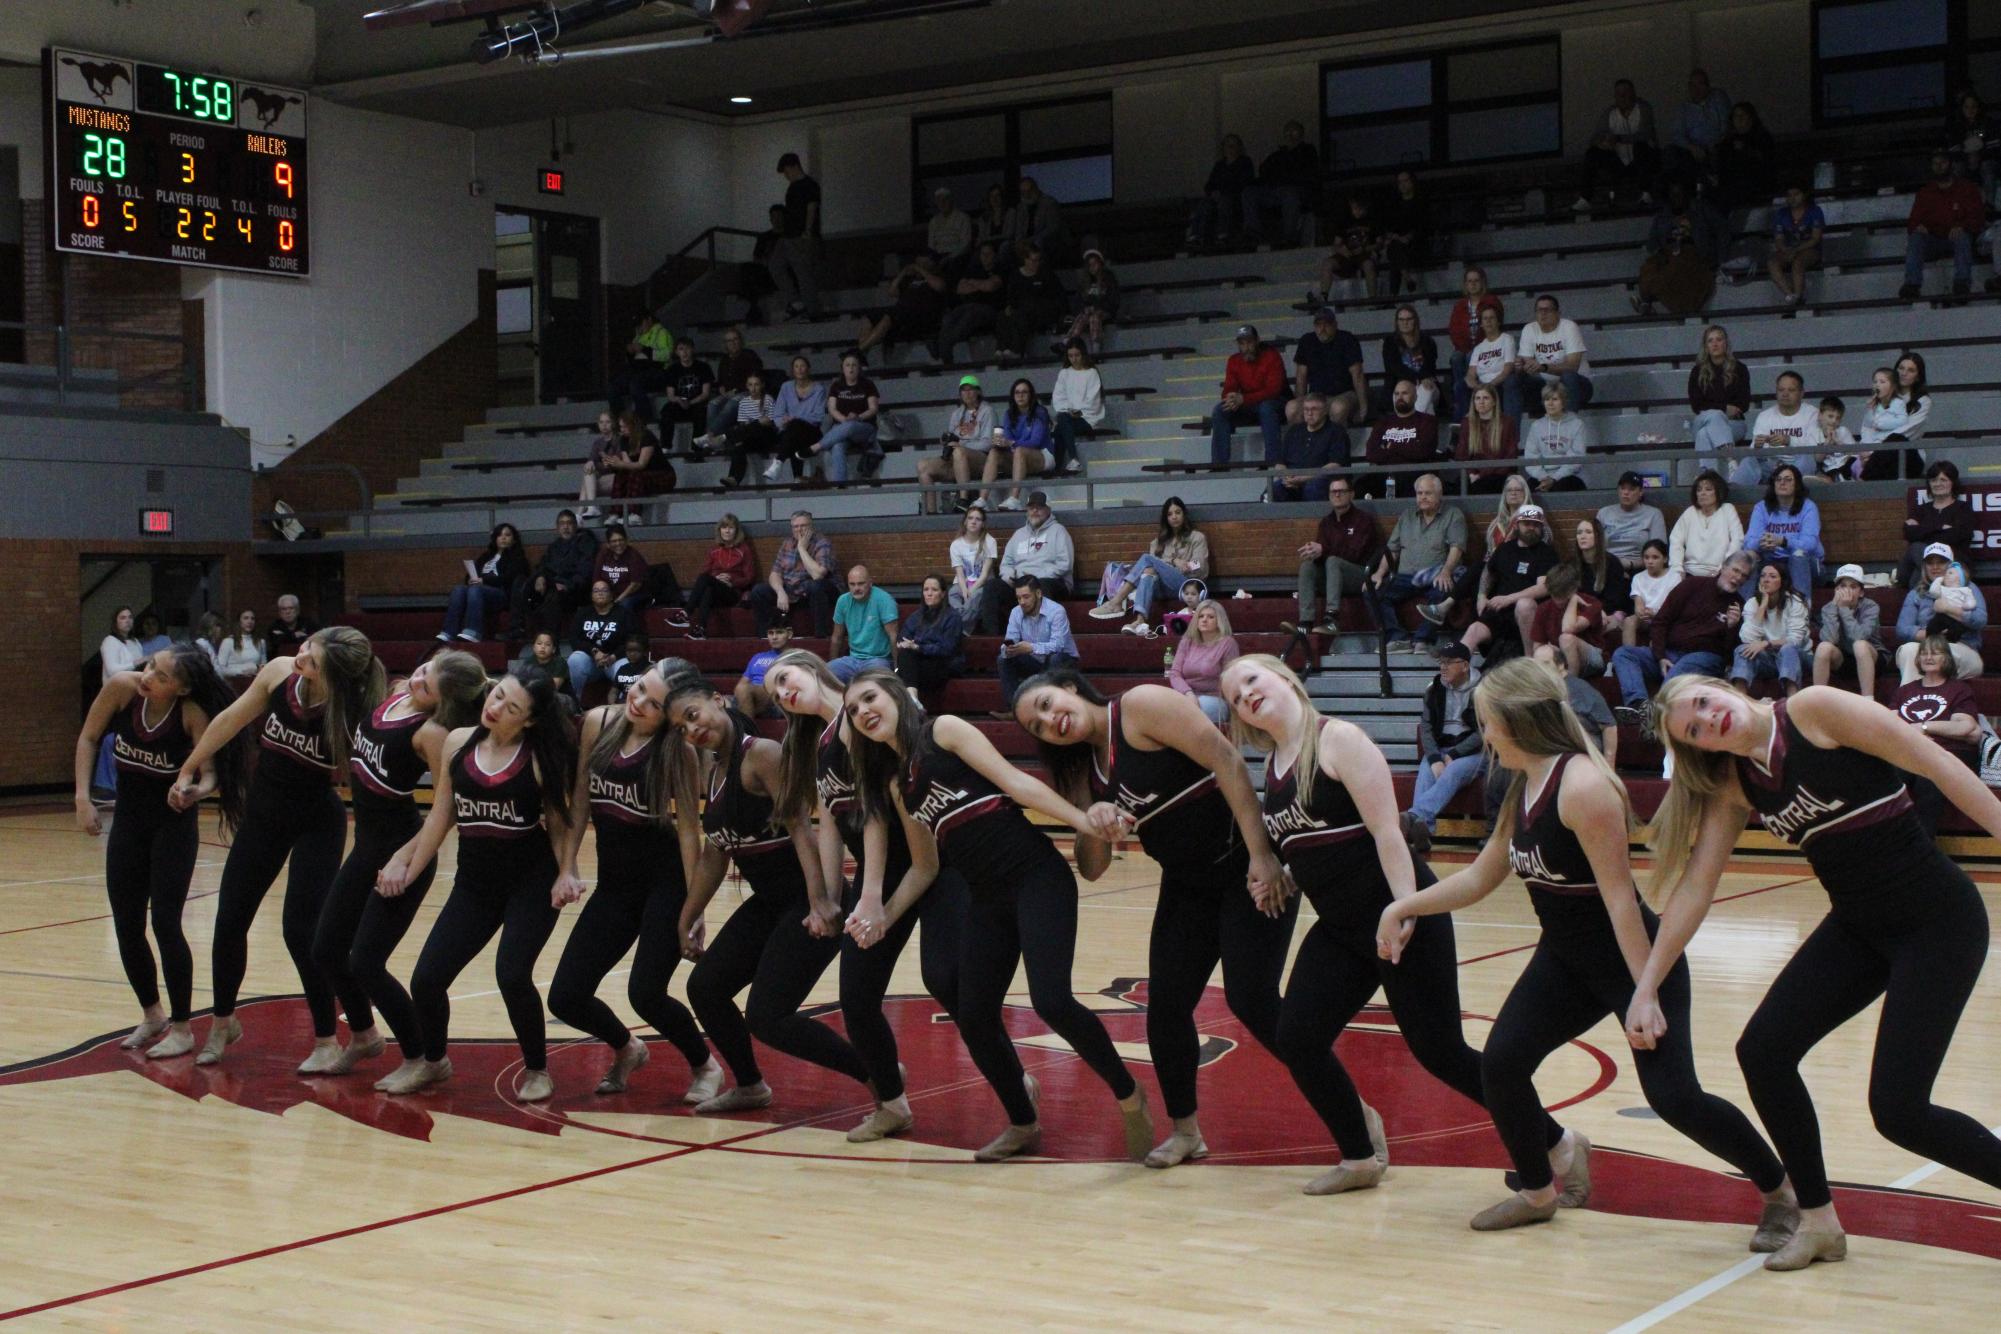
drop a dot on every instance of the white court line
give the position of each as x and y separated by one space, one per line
73 879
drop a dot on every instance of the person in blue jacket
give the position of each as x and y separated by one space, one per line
1025 433
931 649
1959 620
1785 527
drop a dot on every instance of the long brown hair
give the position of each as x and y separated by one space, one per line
877 766
461 685
1707 371
1484 438
1527 699
800 750
1595 569
671 753
352 679
1699 778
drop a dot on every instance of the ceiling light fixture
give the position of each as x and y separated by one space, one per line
741 101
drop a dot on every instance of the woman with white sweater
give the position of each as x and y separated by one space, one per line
1078 403
1772 639
1708 531
241 656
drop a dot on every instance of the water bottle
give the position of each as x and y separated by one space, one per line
1390 488
1167 660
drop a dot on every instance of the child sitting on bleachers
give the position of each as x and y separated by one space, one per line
1952 589
1176 622
1834 467
628 669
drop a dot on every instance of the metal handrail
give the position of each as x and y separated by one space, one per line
65 368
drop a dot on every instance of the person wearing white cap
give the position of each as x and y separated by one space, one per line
1850 631
1513 583
1253 395
1958 620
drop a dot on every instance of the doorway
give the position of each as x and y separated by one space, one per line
549 306
177 591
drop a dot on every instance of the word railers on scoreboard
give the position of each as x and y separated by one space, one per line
176 166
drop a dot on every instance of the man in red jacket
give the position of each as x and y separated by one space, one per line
1253 394
1945 217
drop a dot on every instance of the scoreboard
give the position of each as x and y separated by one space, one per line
177 166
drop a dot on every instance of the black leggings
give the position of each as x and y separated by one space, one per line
1203 917
148 862
1567 989
1925 973
1031 920
765 946
310 828
865 974
624 909
359 929
516 904
705 596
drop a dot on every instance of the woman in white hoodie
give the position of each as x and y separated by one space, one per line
1773 635
1707 532
1078 403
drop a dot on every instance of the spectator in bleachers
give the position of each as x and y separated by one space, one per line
1511 586
645 372
949 237
1973 134
604 445
753 431
1218 215
1947 213
977 592
853 407
1097 304
619 564
1409 353
1899 404
1603 576
691 383
795 265
1787 424
1344 549
1625 155
752 696
542 654
1034 302
1746 161
1495 365
733 371
918 290
1463 328
1253 395
864 629
1773 637
241 656
931 650
1406 234
1025 436
1944 517
1404 436
1561 438
1568 625
977 300
802 571
596 635
1078 402
1797 231
1037 638
1515 492
1315 446
1695 631
1785 527
1035 223
1631 523
1552 346
995 222
1200 657
1698 127
634 660
1357 250
1040 547
967 438
1684 248
289 631
488 584
1289 181
151 637
1707 531
1451 751
638 469
1941 706
1650 587
728 574
117 652
209 635
1719 393
1830 429
801 419
1328 361
1850 631
1424 557
1178 553
1487 433
561 579
1925 615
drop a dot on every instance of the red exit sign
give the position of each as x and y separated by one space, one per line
549 181
156 523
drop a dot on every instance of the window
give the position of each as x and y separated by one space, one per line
1066 146
1473 104
1896 59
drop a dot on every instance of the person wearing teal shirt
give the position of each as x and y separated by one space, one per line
864 628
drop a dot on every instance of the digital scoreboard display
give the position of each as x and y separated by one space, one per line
177 166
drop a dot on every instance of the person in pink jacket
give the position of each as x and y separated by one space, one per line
1199 662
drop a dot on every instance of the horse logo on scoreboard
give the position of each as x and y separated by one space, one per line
272 108
79 80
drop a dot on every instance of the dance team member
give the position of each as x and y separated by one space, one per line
155 717
306 708
958 801
1152 762
1824 770
506 785
1563 829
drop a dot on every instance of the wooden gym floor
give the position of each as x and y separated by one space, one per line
242 1196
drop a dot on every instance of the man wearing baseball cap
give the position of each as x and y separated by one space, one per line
1040 547
1449 747
1329 361
1511 585
1956 612
1253 395
1632 523
1850 631
968 435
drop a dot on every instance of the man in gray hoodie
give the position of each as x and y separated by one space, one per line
1450 754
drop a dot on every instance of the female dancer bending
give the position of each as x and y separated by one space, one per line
645 846
394 747
1331 811
1150 760
150 857
952 793
816 774
779 940
306 708
1904 922
506 784
1563 828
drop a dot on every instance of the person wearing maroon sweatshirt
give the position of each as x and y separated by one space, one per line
1253 395
619 564
1345 547
1694 631
1946 215
1463 327
1404 436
